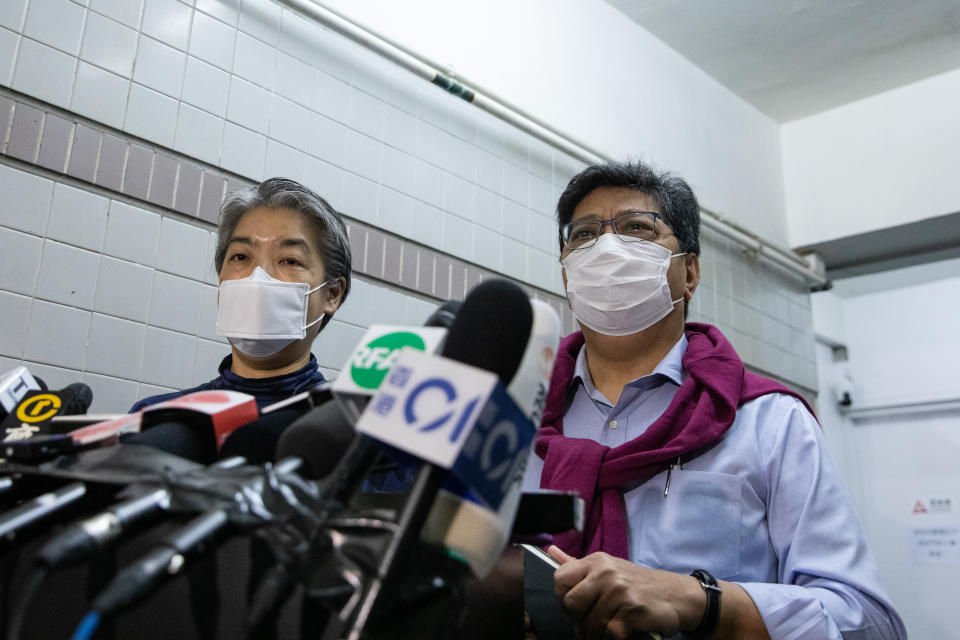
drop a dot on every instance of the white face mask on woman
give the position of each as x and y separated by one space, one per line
261 315
618 287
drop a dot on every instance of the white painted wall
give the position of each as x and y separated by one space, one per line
899 327
879 162
581 66
249 87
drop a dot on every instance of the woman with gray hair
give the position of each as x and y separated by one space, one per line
283 260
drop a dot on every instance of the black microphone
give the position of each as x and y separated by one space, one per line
320 437
14 522
257 440
137 580
490 332
444 315
492 329
33 413
82 539
196 425
79 396
202 430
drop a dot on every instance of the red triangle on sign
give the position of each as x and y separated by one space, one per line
919 508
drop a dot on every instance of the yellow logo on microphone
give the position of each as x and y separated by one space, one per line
38 408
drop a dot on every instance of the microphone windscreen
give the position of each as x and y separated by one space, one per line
492 328
444 315
257 440
179 439
320 437
79 395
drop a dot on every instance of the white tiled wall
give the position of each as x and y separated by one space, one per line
763 311
225 82
140 316
122 296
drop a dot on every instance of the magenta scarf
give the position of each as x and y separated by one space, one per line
700 413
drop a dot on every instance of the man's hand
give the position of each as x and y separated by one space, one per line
608 597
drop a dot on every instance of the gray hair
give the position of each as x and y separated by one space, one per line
282 193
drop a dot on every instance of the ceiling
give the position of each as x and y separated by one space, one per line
793 58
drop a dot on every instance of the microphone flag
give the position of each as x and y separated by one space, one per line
373 356
454 415
225 411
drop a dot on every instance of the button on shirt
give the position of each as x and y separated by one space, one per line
764 507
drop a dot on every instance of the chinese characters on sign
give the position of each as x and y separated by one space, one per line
936 545
934 532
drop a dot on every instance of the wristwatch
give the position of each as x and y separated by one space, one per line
711 615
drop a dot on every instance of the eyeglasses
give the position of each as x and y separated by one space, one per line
635 225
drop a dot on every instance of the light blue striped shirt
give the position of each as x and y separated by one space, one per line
765 508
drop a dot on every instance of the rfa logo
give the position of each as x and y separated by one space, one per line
371 362
919 508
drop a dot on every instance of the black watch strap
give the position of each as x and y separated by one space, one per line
711 615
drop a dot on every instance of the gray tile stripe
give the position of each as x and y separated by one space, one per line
112 159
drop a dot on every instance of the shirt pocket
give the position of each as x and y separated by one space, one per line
697 526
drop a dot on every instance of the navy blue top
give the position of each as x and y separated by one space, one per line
265 390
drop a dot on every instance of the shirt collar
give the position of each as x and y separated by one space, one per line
306 376
671 367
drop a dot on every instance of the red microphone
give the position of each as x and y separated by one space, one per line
193 426
218 412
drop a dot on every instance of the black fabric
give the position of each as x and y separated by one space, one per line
265 390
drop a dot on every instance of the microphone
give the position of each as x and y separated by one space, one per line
196 425
202 425
457 523
377 351
33 413
257 440
99 433
320 437
137 580
444 315
14 522
458 421
82 539
14 385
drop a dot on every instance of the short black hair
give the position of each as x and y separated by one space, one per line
678 206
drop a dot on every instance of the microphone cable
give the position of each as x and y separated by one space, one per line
29 592
87 627
135 581
75 542
275 587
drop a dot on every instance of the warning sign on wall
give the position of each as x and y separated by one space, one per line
939 506
936 545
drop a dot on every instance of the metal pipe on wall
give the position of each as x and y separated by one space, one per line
501 108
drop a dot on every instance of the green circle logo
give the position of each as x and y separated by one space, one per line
371 362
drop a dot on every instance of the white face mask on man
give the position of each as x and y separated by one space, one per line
618 287
261 315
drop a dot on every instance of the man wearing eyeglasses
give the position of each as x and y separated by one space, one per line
713 509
